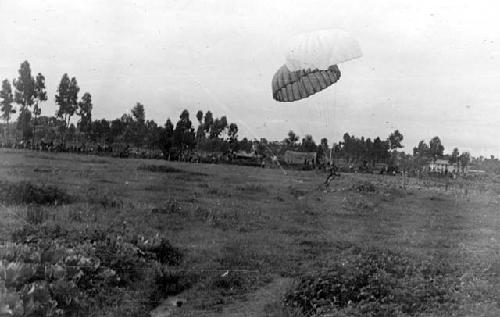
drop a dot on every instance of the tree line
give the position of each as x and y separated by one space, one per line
350 148
28 93
212 134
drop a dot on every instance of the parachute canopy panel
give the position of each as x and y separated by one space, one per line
311 63
290 86
321 49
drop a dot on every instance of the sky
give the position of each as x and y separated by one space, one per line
429 68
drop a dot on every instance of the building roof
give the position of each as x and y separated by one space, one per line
440 161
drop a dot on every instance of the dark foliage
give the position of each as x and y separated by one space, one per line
375 283
75 272
28 193
166 169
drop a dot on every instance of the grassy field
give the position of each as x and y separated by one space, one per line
251 237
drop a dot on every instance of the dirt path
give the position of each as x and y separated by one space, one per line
265 301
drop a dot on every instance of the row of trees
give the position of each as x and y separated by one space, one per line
212 133
30 92
350 148
435 150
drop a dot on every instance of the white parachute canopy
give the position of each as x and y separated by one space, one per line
321 49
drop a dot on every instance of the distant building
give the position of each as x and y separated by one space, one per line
443 166
292 157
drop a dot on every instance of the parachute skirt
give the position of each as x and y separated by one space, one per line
289 86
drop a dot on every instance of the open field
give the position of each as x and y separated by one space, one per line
248 235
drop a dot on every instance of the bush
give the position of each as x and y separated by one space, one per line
374 283
164 252
58 272
28 193
364 187
166 169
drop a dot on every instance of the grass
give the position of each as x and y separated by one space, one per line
374 282
26 192
166 169
273 233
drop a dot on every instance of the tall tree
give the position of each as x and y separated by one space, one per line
208 122
422 150
199 116
100 131
184 137
233 137
152 134
233 131
395 140
464 159
138 124
436 149
292 138
85 113
454 156
116 130
6 102
24 96
166 138
139 113
219 126
67 98
308 144
40 96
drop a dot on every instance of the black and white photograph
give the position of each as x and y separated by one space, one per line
261 158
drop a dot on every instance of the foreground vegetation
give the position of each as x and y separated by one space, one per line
92 235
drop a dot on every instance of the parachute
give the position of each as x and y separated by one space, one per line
311 64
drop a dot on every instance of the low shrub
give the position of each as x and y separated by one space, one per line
54 271
364 186
252 188
166 169
374 283
28 193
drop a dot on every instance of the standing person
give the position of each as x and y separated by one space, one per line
332 172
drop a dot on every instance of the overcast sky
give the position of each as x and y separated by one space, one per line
429 67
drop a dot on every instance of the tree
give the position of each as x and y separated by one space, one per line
395 140
222 127
139 113
199 116
116 130
100 130
138 124
454 156
308 144
128 132
40 95
184 137
6 103
233 131
67 98
166 138
208 122
464 159
23 124
24 95
152 134
422 150
85 113
380 150
436 149
292 138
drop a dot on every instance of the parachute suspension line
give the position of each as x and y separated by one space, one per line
226 108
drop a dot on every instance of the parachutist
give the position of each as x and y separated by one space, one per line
332 172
